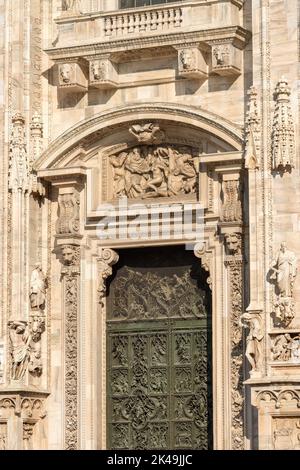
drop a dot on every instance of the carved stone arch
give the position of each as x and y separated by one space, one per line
61 152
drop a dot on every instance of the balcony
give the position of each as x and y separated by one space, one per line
206 36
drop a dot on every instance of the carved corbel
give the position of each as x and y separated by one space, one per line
192 64
72 76
201 251
103 73
226 58
106 260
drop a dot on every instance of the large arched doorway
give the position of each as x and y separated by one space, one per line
159 351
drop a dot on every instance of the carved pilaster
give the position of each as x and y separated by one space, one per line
232 206
71 278
234 264
106 260
18 161
284 148
36 135
68 203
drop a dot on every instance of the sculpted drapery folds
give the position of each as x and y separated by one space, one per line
254 340
283 273
37 287
68 220
154 171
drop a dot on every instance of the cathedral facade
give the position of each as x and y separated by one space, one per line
150 209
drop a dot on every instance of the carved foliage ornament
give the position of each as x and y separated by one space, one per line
232 207
154 171
284 148
68 220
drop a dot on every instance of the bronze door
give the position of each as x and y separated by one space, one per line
158 352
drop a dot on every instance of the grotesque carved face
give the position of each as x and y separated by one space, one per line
99 70
187 58
68 254
65 73
221 54
233 242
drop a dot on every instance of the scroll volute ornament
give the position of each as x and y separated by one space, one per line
106 260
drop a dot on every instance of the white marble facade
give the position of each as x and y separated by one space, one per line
82 84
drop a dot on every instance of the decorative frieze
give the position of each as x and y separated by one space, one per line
72 77
154 171
191 63
283 274
252 131
283 137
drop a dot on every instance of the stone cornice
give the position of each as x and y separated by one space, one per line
238 35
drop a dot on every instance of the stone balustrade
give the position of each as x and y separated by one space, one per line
147 21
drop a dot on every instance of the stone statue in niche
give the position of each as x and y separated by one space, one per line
154 171
254 340
37 287
283 272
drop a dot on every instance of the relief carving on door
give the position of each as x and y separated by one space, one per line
159 384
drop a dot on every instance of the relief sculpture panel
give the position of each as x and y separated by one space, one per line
154 171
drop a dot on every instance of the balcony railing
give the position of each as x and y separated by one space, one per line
121 23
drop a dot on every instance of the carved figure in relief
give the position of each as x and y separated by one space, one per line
254 340
284 271
146 171
149 133
20 348
280 348
37 287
